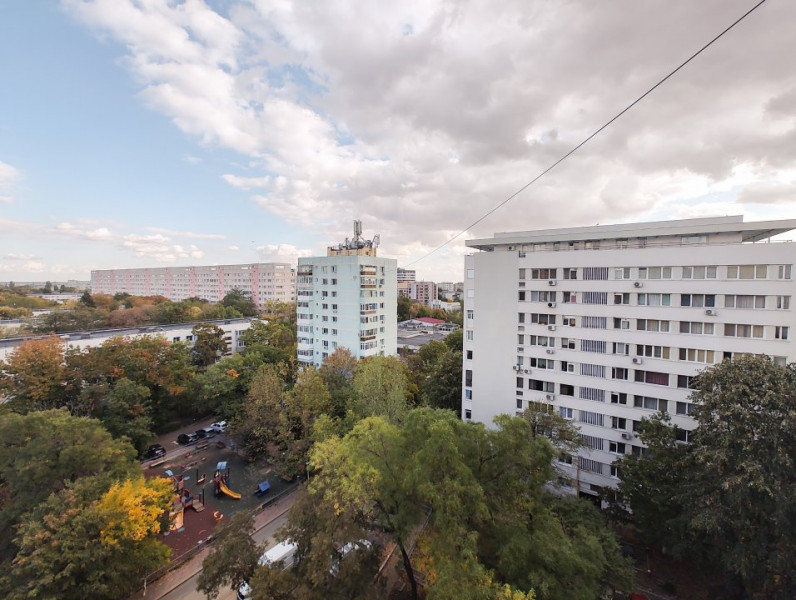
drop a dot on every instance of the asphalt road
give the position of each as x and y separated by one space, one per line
187 590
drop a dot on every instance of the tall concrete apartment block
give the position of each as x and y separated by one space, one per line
263 281
609 324
348 299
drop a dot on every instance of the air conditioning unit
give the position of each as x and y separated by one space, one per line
517 367
710 312
627 436
638 284
526 370
637 361
550 397
551 327
551 305
550 351
551 282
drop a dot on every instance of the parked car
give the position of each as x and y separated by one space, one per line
186 439
154 451
218 426
200 434
207 432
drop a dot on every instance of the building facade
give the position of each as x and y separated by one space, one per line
609 324
348 299
423 292
262 281
406 275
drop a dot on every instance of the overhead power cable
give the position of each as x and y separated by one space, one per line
588 139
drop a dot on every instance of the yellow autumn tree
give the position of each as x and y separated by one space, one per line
33 375
132 510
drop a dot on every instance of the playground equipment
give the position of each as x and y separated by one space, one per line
184 496
176 510
262 488
220 481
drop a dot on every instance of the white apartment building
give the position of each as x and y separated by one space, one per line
262 281
609 324
406 275
424 292
346 299
175 332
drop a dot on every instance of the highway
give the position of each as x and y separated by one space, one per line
187 590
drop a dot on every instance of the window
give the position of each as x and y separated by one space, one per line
652 351
522 273
593 346
621 323
566 412
695 327
520 382
616 447
594 394
468 378
543 363
595 298
622 298
541 386
747 272
569 320
654 300
781 333
690 240
590 418
650 403
543 319
595 273
521 317
684 435
618 423
543 273
567 367
470 314
468 414
698 300
695 355
784 271
591 441
566 390
619 373
618 398
519 403
684 408
591 370
570 273
469 335
621 348
469 355
783 302
570 298
652 377
743 330
615 472
743 301
468 394
652 325
568 343
655 273
521 296
538 296
622 273
470 273
704 272
594 322
685 381
541 340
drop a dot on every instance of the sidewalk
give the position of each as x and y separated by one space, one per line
193 565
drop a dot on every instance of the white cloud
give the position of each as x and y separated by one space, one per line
188 234
428 114
233 248
15 256
281 252
8 177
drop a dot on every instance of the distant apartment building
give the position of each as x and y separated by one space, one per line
607 325
262 281
406 275
177 332
424 292
348 299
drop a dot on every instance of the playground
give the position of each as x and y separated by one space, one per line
211 483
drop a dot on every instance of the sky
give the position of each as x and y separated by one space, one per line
148 133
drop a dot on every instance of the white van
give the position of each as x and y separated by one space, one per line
283 553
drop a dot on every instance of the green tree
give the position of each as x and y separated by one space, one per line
232 558
382 387
259 421
240 301
455 340
208 344
404 308
87 300
337 372
126 412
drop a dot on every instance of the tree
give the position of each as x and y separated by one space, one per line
86 299
75 545
728 496
455 340
209 344
33 375
337 372
404 308
126 412
233 556
258 422
240 301
382 388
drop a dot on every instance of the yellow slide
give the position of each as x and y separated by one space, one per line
229 492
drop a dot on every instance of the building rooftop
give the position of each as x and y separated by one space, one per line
747 232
